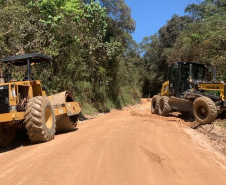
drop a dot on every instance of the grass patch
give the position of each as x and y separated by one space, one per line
88 109
221 124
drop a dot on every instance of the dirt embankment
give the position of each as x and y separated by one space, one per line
215 132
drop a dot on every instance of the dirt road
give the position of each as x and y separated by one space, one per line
127 147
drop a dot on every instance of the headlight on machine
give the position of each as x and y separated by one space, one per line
13 108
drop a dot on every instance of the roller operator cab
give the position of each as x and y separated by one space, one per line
191 87
14 94
24 104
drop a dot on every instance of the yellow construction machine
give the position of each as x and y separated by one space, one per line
188 90
24 104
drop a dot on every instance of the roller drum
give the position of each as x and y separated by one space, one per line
64 123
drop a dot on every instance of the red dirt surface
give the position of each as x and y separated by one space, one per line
125 147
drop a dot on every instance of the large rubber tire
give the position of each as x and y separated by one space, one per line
155 104
40 119
6 136
204 110
164 107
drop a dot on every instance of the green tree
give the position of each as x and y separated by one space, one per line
88 49
169 33
204 40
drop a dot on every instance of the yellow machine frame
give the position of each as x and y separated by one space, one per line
165 89
202 86
214 87
34 89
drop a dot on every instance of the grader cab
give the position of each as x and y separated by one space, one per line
188 89
24 104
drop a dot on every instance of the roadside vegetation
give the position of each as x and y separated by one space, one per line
199 36
94 55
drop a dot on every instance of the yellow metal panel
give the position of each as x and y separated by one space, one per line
37 90
23 83
30 92
37 82
165 89
12 95
72 108
12 116
44 93
60 111
26 83
213 87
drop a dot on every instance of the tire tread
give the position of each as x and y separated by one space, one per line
33 120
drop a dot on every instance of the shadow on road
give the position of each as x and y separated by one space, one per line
21 139
186 117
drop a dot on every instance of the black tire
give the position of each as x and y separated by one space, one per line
7 135
204 110
155 104
164 107
40 119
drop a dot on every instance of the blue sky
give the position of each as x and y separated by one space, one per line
151 15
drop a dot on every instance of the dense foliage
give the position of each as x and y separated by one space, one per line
94 55
90 44
199 36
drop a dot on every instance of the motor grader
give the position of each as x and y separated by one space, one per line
188 90
24 104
